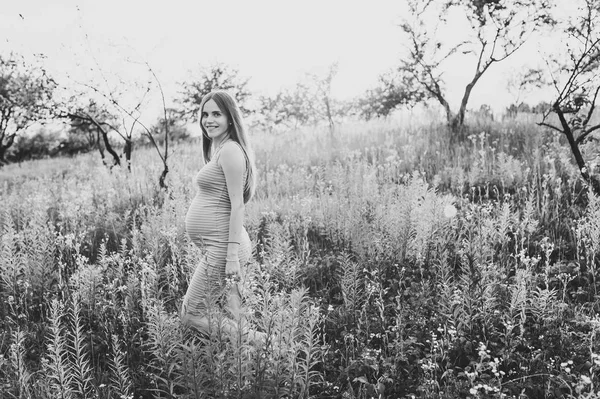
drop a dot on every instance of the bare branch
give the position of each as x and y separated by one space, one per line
162 95
453 51
117 104
480 59
592 107
550 126
577 68
585 134
423 8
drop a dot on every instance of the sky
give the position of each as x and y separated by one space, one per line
272 42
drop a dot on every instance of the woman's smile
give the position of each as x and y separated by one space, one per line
214 121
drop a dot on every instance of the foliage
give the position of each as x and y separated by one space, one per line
381 270
177 130
25 94
390 93
41 144
290 107
309 102
214 77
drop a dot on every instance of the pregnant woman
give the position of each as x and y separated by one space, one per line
215 219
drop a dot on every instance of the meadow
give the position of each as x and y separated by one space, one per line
389 262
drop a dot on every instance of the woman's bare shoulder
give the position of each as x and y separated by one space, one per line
232 153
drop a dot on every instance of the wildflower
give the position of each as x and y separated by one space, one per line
586 380
450 211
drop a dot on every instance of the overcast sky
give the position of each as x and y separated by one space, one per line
273 42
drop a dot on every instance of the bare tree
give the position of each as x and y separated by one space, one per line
496 30
25 95
93 116
577 84
325 104
122 104
132 117
127 113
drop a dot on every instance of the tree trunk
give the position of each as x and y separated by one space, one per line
116 159
329 116
100 149
10 139
127 149
458 121
163 176
3 155
444 103
568 132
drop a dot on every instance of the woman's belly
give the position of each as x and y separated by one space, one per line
207 222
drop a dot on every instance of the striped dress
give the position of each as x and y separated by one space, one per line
207 224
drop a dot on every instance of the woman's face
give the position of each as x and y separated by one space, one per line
213 120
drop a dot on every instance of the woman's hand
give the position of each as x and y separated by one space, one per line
232 268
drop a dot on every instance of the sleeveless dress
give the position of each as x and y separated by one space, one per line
207 225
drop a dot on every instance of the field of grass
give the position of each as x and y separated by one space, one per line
389 263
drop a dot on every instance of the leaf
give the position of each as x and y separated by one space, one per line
361 379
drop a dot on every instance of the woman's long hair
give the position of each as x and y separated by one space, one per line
237 132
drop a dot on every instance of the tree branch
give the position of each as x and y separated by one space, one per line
592 107
99 125
162 95
586 133
550 126
576 71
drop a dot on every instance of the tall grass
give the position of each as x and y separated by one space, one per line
388 263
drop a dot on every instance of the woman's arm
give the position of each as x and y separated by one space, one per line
233 163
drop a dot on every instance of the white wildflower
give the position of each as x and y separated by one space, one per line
450 211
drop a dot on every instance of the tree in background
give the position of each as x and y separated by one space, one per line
271 113
290 107
496 30
390 93
308 102
521 82
82 136
34 145
577 84
325 106
25 95
117 106
215 77
93 119
177 130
